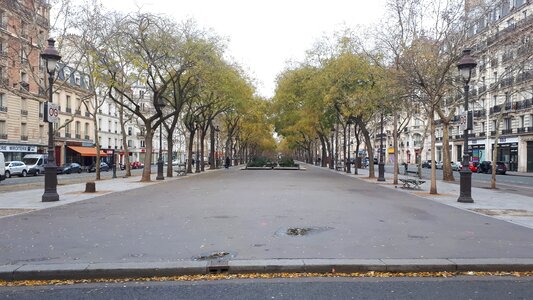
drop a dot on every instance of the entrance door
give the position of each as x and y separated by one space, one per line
530 156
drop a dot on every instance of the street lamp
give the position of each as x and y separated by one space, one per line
51 56
381 166
466 65
332 139
160 104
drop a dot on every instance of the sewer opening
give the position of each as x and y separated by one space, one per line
213 255
298 231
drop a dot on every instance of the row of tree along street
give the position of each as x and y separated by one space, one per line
405 67
162 73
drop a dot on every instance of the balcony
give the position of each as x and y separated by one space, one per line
482 89
523 76
494 63
23 112
495 109
481 134
507 57
87 137
23 137
480 113
42 92
438 139
87 114
417 143
507 131
521 130
78 136
493 133
68 135
530 129
458 136
57 134
3 136
68 110
24 86
78 112
3 109
471 135
507 82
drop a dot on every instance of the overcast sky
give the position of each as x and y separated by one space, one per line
263 35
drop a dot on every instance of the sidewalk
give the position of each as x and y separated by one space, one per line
512 208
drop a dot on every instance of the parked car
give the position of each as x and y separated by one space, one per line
69 168
438 165
456 166
35 163
15 168
103 167
2 167
426 164
137 165
486 167
473 166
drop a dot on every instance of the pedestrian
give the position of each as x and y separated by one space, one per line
226 164
193 161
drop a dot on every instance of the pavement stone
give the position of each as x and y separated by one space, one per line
419 265
493 264
266 266
47 271
344 265
7 272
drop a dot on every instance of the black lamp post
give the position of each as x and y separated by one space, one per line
113 165
331 161
160 105
466 65
51 57
381 165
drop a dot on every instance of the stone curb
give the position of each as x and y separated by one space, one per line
160 269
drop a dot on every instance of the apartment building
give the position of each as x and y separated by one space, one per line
74 131
502 87
24 26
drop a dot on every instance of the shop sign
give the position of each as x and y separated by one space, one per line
18 148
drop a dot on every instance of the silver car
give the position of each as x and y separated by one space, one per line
16 168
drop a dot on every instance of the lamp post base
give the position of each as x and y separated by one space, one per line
465 194
160 170
381 172
50 184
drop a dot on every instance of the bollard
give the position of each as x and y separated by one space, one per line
90 187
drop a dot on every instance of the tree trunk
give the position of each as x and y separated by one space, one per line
433 188
344 148
124 142
324 151
96 139
368 143
147 170
395 145
212 143
170 146
189 151
202 150
447 172
495 154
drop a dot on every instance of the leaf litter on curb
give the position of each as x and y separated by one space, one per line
262 276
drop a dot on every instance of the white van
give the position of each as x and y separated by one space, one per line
2 167
35 163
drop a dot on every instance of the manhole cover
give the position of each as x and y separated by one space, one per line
212 255
301 231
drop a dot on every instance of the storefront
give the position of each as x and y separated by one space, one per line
17 152
85 156
530 156
477 151
508 152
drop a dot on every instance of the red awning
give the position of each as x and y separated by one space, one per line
87 151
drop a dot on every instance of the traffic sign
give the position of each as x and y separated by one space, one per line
52 112
463 121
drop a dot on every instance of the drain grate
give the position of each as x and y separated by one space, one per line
213 255
298 231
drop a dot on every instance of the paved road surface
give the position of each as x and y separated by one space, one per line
307 288
247 214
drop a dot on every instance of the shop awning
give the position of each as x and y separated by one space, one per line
87 151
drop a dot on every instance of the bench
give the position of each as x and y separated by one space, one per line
411 183
412 172
181 169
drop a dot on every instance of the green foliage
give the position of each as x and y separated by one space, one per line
261 162
287 162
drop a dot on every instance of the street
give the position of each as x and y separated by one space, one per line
483 288
250 215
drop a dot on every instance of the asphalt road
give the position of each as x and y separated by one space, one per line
248 214
485 288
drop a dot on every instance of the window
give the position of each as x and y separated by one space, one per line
495 77
495 100
522 121
108 126
69 104
130 143
109 110
2 129
129 131
78 127
87 129
23 129
507 123
41 132
116 127
109 143
482 126
67 73
482 102
77 79
143 145
67 127
2 101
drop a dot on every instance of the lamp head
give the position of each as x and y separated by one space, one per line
466 65
51 56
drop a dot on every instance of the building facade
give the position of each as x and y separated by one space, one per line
24 26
